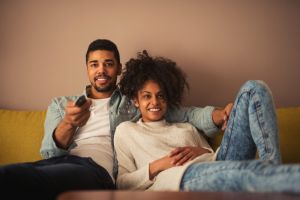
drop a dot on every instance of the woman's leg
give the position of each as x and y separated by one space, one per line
243 176
252 126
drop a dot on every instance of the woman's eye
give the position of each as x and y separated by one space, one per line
147 96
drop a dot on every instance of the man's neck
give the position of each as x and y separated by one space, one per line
101 95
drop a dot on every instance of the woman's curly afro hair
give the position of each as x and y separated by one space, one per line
164 72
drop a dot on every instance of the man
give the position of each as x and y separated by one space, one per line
77 145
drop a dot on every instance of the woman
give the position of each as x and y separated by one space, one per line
157 155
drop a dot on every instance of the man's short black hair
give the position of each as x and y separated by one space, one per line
103 44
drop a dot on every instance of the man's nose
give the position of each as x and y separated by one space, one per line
101 68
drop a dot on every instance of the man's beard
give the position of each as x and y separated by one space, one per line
108 88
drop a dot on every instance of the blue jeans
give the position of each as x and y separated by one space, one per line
45 179
252 127
242 176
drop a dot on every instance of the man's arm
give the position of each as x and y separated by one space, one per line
58 128
208 119
74 117
53 117
201 118
220 116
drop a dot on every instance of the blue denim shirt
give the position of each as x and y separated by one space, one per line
120 109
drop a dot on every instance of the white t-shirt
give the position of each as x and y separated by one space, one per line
94 139
98 123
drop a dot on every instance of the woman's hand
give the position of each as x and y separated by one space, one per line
181 155
159 165
177 157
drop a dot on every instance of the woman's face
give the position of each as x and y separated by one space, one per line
151 102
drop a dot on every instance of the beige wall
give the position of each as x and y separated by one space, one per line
220 44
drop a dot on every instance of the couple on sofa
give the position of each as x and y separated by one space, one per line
138 136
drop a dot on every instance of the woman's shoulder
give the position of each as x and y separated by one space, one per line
183 125
126 124
125 127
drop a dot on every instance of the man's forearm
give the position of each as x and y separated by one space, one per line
63 134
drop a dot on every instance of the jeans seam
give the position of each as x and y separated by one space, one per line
232 123
261 123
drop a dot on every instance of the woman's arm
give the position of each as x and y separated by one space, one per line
129 177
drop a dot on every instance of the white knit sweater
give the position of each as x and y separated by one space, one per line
138 144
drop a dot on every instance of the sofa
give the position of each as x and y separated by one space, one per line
21 133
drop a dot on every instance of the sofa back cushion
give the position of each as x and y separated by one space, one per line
289 134
21 133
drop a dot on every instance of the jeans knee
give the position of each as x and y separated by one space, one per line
257 85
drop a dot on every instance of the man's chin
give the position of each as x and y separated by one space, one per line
105 89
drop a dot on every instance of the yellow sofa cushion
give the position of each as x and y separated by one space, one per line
21 134
289 132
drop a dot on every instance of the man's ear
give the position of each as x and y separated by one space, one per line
119 69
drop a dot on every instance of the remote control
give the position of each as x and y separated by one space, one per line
80 101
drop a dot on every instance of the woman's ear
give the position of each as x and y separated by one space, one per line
136 103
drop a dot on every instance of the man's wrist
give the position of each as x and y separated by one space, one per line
215 117
60 135
68 125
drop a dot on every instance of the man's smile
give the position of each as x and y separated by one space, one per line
102 79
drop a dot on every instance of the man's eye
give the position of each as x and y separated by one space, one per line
161 96
93 65
109 64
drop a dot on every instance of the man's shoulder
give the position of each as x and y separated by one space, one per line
64 99
61 101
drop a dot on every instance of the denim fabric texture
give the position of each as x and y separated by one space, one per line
242 176
45 179
252 126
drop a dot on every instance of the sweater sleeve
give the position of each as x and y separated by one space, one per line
129 177
202 142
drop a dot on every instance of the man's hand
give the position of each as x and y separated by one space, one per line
220 116
74 117
181 155
77 116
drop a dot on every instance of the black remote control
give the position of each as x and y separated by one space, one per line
80 101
